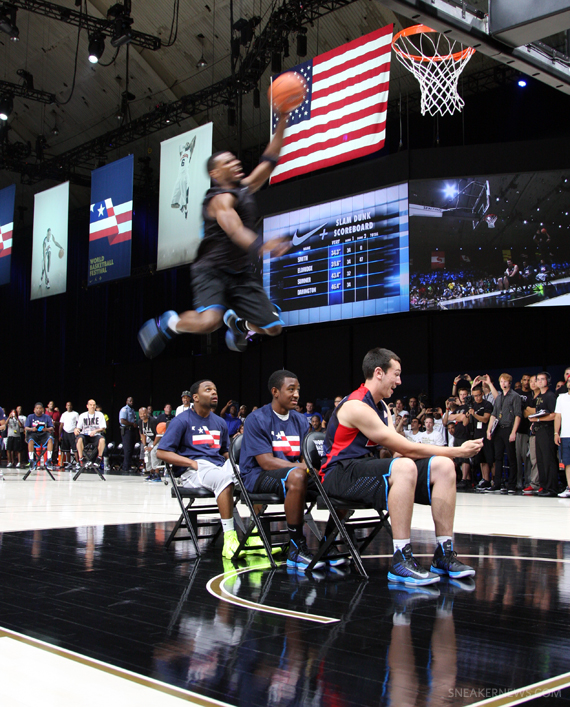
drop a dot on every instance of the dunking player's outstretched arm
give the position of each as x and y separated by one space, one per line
222 209
356 414
269 158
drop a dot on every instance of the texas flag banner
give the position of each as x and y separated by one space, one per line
111 221
344 113
7 199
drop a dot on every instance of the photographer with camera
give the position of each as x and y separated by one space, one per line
417 409
459 414
479 415
461 382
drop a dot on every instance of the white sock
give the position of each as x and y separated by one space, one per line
441 539
172 322
31 456
400 544
227 524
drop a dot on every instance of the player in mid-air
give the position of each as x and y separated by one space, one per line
182 184
224 287
47 256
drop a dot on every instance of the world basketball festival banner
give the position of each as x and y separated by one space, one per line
7 199
183 184
343 115
49 246
111 221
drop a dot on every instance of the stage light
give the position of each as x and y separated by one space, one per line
96 47
8 21
522 83
122 31
450 190
6 105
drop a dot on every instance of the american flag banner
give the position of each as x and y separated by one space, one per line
7 200
111 221
344 113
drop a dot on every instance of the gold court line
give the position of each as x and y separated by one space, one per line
527 693
186 695
216 587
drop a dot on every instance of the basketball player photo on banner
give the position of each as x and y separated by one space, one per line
49 250
343 115
183 183
111 221
7 199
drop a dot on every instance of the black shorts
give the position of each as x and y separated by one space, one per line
242 292
487 453
40 438
366 480
67 441
13 444
274 482
87 439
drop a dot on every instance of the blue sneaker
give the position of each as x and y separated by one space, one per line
405 570
155 334
301 557
445 562
236 340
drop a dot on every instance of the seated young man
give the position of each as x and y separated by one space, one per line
196 443
89 430
39 430
270 460
420 473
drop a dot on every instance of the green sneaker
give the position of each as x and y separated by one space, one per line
254 544
231 544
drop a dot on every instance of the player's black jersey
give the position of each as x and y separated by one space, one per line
217 249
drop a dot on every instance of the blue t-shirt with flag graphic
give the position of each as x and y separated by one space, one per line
266 433
197 437
40 423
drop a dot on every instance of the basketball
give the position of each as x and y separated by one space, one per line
287 92
543 230
161 428
61 252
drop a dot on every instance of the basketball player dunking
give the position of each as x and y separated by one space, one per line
224 287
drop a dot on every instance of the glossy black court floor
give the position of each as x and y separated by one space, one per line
114 594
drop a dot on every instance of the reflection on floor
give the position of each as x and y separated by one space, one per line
113 594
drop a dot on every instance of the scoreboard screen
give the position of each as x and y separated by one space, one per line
349 258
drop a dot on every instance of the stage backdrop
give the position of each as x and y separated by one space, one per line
111 221
7 198
183 183
49 251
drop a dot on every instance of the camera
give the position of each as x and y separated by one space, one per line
469 400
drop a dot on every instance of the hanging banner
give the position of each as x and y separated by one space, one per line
183 183
111 221
7 199
49 249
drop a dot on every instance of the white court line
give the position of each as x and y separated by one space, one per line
527 693
38 673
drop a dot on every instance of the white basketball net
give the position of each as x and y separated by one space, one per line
437 62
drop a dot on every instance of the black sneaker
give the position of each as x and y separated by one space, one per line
334 558
445 562
155 334
483 485
301 557
405 569
236 339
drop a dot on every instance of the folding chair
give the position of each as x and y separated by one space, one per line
40 460
261 523
90 456
189 520
346 528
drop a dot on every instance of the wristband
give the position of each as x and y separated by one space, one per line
269 158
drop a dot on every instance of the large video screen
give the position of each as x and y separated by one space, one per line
349 258
490 241
49 249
